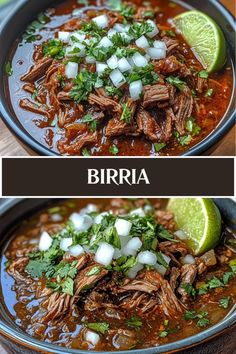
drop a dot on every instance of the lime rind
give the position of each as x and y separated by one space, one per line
200 219
205 38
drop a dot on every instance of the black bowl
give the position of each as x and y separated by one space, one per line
26 11
216 339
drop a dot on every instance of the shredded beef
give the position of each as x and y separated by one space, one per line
154 94
183 109
37 70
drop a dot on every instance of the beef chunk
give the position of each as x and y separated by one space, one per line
37 70
183 109
154 94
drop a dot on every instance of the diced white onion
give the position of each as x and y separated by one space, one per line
188 259
148 208
56 217
147 257
131 62
105 42
117 253
156 53
132 273
166 258
118 27
64 36
81 222
71 70
123 65
77 50
90 208
160 45
136 89
101 67
124 240
134 244
155 30
112 62
123 227
126 251
117 78
181 234
139 212
66 243
76 250
111 33
161 270
90 60
45 241
126 37
101 21
92 337
142 42
139 60
104 254
99 217
80 36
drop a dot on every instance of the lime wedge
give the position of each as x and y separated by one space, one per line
200 220
205 38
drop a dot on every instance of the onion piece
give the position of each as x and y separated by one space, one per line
104 254
77 36
111 33
166 258
77 50
117 78
56 217
105 42
71 70
142 42
156 53
188 259
124 240
76 250
90 60
147 257
123 227
99 217
112 62
101 67
135 90
209 258
181 234
132 273
92 337
124 65
155 30
117 253
81 222
64 36
126 251
101 21
139 60
160 45
119 27
90 208
45 241
138 212
160 269
134 244
66 243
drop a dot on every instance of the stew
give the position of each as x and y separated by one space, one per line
114 79
114 275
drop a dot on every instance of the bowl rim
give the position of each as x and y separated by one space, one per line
31 143
22 338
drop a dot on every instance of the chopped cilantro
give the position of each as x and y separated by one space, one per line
35 95
203 322
170 33
201 317
159 146
224 302
83 2
83 85
163 334
136 30
134 322
113 91
8 68
175 81
113 149
185 140
192 127
189 289
67 286
148 14
30 34
232 265
101 327
209 92
215 283
118 40
36 268
54 48
85 152
227 277
203 74
146 74
91 121
94 271
126 113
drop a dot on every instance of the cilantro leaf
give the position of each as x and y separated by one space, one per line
203 322
126 113
134 322
54 48
203 74
159 146
67 286
100 327
113 150
175 81
36 268
189 289
215 283
8 68
224 302
94 271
